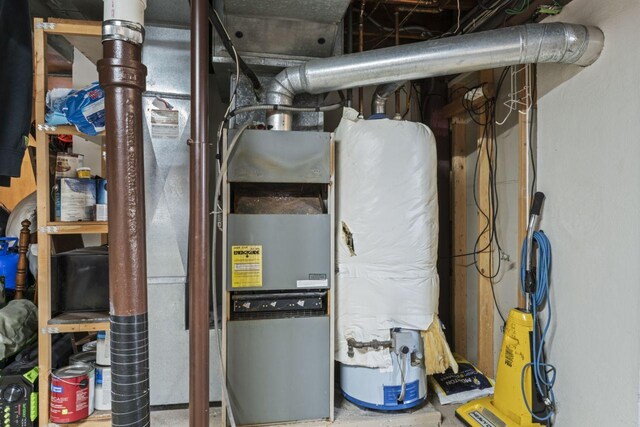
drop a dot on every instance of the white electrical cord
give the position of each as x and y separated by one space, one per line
403 387
514 102
221 173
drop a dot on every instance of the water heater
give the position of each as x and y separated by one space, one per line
386 251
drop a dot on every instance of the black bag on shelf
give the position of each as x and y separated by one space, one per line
80 280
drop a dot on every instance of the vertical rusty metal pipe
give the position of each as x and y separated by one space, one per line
361 49
199 251
123 78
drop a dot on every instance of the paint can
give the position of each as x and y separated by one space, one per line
84 357
90 346
103 388
103 349
72 393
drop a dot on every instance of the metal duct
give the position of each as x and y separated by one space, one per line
123 77
382 93
526 44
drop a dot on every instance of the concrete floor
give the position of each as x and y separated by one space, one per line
180 417
448 414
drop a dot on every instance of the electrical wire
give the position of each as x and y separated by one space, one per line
286 108
534 172
544 374
408 29
516 10
221 173
455 31
215 20
484 115
404 20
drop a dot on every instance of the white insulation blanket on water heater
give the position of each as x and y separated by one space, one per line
387 238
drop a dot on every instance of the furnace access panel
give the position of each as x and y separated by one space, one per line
278 273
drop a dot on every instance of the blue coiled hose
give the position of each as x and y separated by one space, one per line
544 374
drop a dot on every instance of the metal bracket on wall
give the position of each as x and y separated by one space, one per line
43 127
49 229
46 25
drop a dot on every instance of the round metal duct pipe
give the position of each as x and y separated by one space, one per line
525 44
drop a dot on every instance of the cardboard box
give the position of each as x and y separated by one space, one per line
100 212
75 199
67 164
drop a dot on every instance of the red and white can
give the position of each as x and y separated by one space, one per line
72 393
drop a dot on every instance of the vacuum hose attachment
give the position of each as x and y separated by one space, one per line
534 281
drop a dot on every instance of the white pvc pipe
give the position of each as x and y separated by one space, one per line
125 10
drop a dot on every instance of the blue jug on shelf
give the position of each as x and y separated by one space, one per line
9 261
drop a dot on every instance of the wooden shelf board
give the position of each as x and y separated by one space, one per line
81 28
82 227
68 130
78 322
97 419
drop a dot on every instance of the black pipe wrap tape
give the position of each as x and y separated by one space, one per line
130 371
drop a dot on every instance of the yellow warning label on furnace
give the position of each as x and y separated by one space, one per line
246 266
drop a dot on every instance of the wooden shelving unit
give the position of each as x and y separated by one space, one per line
67 322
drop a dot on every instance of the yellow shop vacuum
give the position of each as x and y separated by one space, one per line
524 381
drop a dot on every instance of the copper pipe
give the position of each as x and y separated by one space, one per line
123 78
199 252
361 49
397 28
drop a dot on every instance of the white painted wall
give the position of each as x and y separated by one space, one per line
588 153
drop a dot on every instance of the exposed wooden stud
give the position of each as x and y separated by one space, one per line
44 240
524 74
459 232
485 222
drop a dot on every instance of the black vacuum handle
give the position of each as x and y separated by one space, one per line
536 206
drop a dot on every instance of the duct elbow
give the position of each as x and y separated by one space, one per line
382 93
593 43
561 43
379 104
281 91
